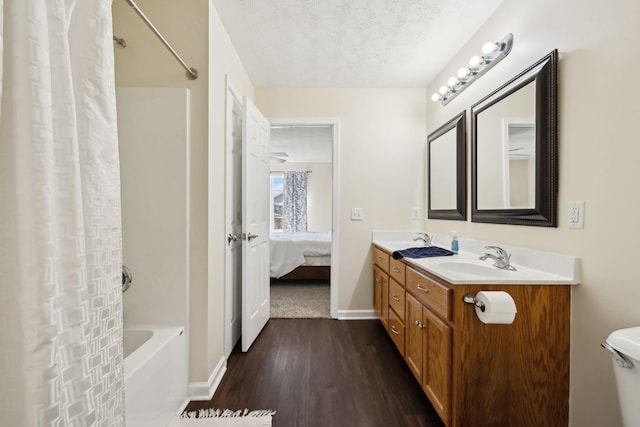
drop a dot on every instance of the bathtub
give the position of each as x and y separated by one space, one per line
155 374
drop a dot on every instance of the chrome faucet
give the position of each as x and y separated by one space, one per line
426 239
501 260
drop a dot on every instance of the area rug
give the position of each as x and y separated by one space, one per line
300 301
225 418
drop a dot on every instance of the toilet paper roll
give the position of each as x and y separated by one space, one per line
499 307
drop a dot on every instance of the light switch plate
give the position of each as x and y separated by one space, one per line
357 214
416 213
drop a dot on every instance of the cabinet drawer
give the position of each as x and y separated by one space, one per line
397 270
434 295
381 259
396 298
396 331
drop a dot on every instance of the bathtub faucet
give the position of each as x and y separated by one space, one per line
127 278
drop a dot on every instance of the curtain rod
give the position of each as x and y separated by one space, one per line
192 73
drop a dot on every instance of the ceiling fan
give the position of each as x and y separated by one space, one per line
279 157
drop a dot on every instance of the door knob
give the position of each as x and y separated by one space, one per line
249 236
231 238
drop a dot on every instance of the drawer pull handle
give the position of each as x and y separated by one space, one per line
423 289
394 330
378 280
396 270
395 298
379 258
419 325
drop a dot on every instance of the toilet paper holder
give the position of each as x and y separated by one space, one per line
470 299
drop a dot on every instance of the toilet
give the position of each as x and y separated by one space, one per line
624 345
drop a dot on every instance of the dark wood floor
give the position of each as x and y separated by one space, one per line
324 373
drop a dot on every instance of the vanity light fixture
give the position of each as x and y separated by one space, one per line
492 53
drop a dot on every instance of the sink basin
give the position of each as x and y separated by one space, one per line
471 268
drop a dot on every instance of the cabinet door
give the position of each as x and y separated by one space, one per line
377 290
414 336
436 380
384 302
381 294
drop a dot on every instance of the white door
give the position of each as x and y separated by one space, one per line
233 259
255 224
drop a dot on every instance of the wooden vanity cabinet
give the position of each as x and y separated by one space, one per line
478 374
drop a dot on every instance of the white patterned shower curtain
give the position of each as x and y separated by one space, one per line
60 234
294 202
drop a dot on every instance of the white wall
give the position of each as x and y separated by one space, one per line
382 134
318 192
598 155
223 63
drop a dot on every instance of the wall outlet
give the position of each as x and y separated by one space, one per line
357 214
416 213
576 215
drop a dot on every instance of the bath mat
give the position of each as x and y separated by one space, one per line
225 418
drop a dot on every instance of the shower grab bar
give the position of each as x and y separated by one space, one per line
192 73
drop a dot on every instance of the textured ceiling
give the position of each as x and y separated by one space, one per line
350 43
303 144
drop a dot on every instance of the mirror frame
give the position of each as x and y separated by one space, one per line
544 214
460 212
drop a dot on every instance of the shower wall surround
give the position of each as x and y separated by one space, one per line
154 144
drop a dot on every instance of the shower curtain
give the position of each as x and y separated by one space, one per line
60 239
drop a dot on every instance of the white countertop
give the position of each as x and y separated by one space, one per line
532 267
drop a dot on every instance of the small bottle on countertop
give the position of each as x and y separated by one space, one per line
454 243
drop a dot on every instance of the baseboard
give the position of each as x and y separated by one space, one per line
183 406
205 390
357 314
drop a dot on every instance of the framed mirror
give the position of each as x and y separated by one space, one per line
514 149
446 166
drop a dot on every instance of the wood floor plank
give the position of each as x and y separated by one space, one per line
324 373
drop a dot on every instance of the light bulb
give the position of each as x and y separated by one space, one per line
435 97
490 47
475 61
443 90
452 81
463 72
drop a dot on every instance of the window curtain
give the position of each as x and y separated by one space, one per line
60 235
295 202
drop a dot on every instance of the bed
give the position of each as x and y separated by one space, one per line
300 256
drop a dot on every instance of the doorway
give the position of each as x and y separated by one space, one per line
233 211
302 221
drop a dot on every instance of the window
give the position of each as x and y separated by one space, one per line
277 186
